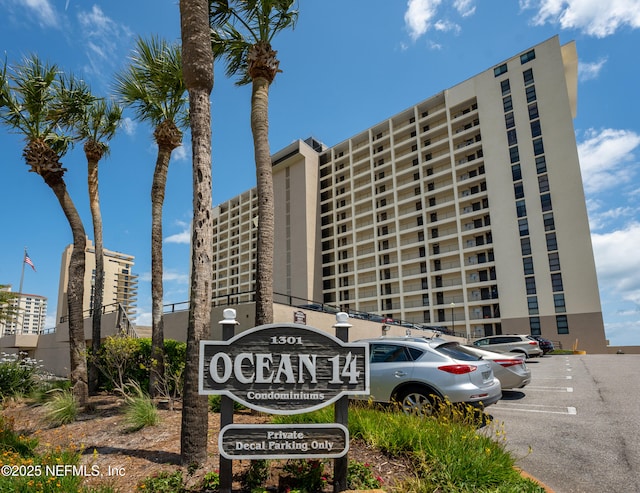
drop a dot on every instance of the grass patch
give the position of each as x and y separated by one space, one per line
448 451
62 408
140 410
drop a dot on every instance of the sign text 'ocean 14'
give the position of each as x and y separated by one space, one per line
284 368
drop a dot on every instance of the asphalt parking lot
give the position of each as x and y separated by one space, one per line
576 426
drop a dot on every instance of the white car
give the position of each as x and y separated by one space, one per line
512 371
510 343
417 372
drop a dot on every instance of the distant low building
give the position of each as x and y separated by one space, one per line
30 315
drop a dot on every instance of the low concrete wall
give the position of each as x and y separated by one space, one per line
53 349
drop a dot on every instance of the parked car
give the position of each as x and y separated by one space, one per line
511 343
545 344
417 372
512 371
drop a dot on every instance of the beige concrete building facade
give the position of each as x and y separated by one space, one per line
465 211
30 315
120 283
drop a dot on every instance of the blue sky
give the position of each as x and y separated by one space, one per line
346 66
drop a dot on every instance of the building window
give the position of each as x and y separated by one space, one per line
543 183
552 242
562 324
528 76
538 147
556 283
516 172
531 94
549 223
533 111
534 326
530 283
527 264
521 208
514 154
498 71
525 246
507 104
545 201
505 87
523 226
532 302
518 190
512 137
536 129
554 261
558 302
509 120
528 56
541 165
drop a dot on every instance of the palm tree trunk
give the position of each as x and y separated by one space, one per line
264 175
75 291
197 63
157 291
96 321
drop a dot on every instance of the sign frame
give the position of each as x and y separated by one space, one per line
303 428
284 334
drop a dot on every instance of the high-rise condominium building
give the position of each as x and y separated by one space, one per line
465 211
30 313
120 283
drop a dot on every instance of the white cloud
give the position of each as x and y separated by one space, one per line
419 15
592 17
422 15
128 125
182 238
618 262
101 36
605 156
43 12
465 7
588 71
180 153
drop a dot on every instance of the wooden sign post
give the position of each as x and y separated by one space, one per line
284 369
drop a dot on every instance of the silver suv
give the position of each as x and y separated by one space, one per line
417 373
523 344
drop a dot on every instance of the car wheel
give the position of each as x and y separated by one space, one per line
417 400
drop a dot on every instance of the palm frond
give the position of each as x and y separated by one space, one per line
152 85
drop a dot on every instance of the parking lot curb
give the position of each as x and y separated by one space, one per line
525 474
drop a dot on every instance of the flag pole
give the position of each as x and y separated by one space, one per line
22 275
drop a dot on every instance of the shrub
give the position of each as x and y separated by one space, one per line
360 476
256 475
140 410
62 408
164 482
210 481
17 374
308 475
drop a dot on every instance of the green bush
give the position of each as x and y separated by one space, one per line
62 408
164 482
18 374
123 359
360 476
140 411
308 475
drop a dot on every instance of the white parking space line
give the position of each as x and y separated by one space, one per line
549 389
533 408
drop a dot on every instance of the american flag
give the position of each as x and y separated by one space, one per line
28 261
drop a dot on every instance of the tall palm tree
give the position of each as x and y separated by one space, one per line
97 126
197 62
37 101
241 34
153 86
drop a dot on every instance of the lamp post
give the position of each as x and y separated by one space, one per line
453 305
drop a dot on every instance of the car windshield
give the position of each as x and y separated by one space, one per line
456 351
